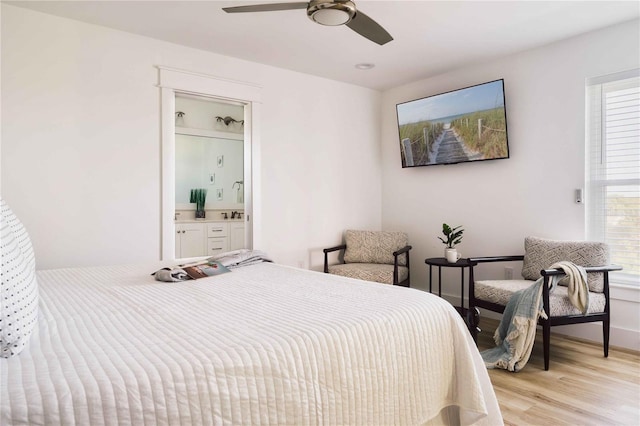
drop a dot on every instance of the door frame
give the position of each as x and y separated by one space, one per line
172 81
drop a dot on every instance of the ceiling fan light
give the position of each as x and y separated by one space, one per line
331 13
331 17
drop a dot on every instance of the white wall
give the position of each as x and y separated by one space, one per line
81 144
500 202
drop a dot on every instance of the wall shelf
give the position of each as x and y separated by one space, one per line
209 133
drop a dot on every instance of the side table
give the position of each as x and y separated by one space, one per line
440 262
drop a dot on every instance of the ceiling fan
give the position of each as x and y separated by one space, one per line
327 12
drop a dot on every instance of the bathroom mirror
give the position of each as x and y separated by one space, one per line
209 152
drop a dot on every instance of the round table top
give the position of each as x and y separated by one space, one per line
441 261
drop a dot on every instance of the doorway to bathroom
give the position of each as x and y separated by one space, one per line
208 191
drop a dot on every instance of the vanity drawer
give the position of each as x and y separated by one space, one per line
217 230
217 245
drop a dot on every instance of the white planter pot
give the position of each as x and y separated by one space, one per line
452 255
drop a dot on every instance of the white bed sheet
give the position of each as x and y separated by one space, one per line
265 344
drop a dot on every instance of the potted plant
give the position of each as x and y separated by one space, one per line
199 197
454 237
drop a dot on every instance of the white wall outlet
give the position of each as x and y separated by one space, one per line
508 273
219 194
301 264
212 178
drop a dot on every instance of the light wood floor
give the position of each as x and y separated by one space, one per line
580 388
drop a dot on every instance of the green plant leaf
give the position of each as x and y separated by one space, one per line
454 235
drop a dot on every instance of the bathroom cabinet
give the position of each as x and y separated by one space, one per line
208 238
236 235
189 239
217 238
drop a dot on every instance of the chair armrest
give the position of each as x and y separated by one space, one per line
588 269
326 255
495 259
397 253
402 250
547 273
330 249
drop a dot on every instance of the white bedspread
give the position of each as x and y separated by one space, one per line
265 344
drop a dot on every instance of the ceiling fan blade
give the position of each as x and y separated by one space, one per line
267 7
369 28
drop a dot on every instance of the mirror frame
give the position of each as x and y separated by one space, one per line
173 81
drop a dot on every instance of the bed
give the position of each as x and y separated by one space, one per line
263 344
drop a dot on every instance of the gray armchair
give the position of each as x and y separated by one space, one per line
377 256
539 255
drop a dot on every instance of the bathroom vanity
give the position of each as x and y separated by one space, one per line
208 237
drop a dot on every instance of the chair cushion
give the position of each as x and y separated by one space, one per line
19 289
500 291
377 272
374 246
540 254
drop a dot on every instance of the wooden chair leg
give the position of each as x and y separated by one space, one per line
605 337
546 343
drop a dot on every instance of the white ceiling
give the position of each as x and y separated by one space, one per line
430 37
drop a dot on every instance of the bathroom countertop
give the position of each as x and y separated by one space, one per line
208 220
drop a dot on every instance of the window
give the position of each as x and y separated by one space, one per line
613 169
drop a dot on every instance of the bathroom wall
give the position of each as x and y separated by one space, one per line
209 153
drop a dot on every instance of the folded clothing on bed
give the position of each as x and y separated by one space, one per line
243 257
228 260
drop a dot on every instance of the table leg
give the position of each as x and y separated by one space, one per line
462 289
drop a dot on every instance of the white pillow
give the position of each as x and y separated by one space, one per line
18 287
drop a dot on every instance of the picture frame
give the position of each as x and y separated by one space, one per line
463 125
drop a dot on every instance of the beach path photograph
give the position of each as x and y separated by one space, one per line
464 125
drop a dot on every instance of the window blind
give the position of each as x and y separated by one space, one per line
613 169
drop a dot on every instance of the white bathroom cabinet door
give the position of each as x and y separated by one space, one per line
190 240
236 235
